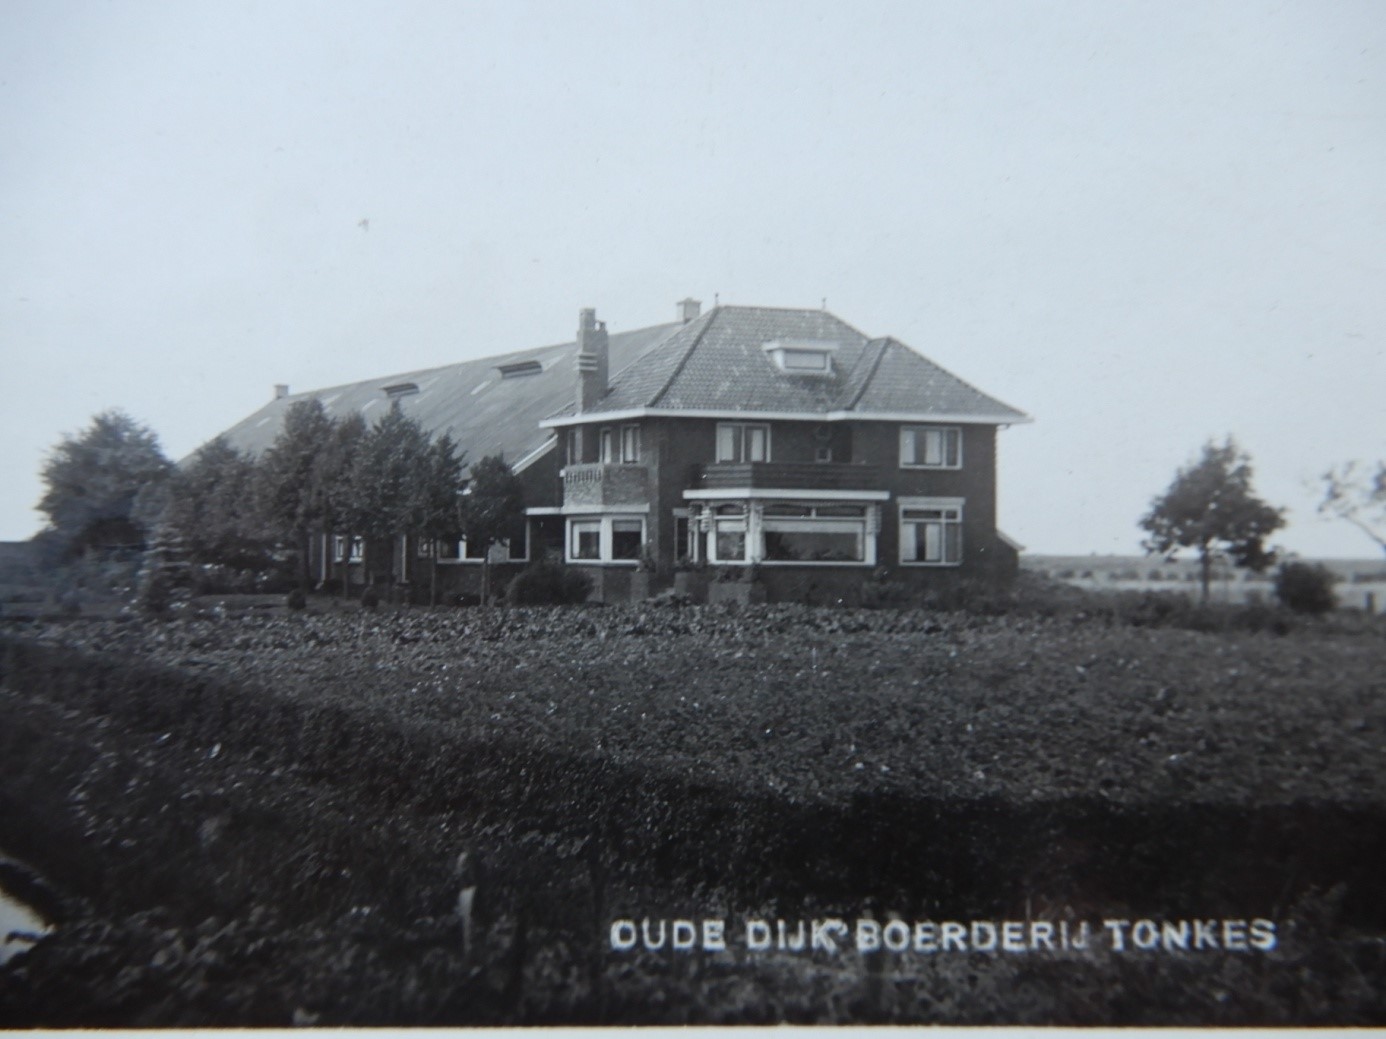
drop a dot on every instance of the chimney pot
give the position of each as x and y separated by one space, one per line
281 390
689 309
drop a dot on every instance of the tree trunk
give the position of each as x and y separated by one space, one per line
1205 568
486 577
433 576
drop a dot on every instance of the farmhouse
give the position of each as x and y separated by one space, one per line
778 443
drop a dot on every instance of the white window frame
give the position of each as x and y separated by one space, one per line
630 445
752 524
605 524
734 435
943 522
860 526
499 553
913 437
358 548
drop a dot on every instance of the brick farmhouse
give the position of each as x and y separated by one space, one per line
745 442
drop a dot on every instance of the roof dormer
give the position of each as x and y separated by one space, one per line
802 356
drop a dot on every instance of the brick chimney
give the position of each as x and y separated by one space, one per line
689 309
592 360
281 390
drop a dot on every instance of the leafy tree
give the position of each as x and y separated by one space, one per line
1210 507
401 483
438 502
1354 495
93 480
489 510
293 501
210 506
332 475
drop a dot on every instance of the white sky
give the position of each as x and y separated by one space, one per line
1144 224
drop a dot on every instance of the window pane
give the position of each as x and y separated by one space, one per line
954 437
952 543
681 539
907 449
786 510
473 550
517 540
813 546
608 447
933 447
731 544
626 539
728 443
587 540
933 542
756 437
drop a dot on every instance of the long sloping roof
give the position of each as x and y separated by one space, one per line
718 362
714 363
485 412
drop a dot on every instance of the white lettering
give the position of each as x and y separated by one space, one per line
685 934
757 935
1118 929
714 937
868 936
896 935
954 936
822 939
1263 934
1145 934
1042 933
1013 936
925 937
983 936
623 935
1234 935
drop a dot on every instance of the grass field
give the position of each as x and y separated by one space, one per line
258 815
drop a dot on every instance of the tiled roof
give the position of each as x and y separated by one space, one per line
718 363
485 413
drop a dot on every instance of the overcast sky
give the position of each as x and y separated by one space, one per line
1146 225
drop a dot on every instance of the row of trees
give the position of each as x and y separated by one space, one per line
111 487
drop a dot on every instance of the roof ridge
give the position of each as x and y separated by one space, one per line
684 359
874 367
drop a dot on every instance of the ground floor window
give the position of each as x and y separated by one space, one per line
815 533
931 531
785 532
513 548
339 549
606 539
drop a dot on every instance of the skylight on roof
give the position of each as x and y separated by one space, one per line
802 356
519 368
401 389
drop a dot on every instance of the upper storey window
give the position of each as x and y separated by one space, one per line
802 356
931 447
743 442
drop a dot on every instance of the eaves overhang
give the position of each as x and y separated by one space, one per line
626 414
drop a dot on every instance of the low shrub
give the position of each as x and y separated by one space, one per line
296 599
370 597
1305 587
547 583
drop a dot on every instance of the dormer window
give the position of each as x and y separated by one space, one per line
401 389
802 356
519 369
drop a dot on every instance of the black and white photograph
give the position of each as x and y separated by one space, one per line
702 513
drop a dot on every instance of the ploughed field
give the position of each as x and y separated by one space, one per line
258 819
